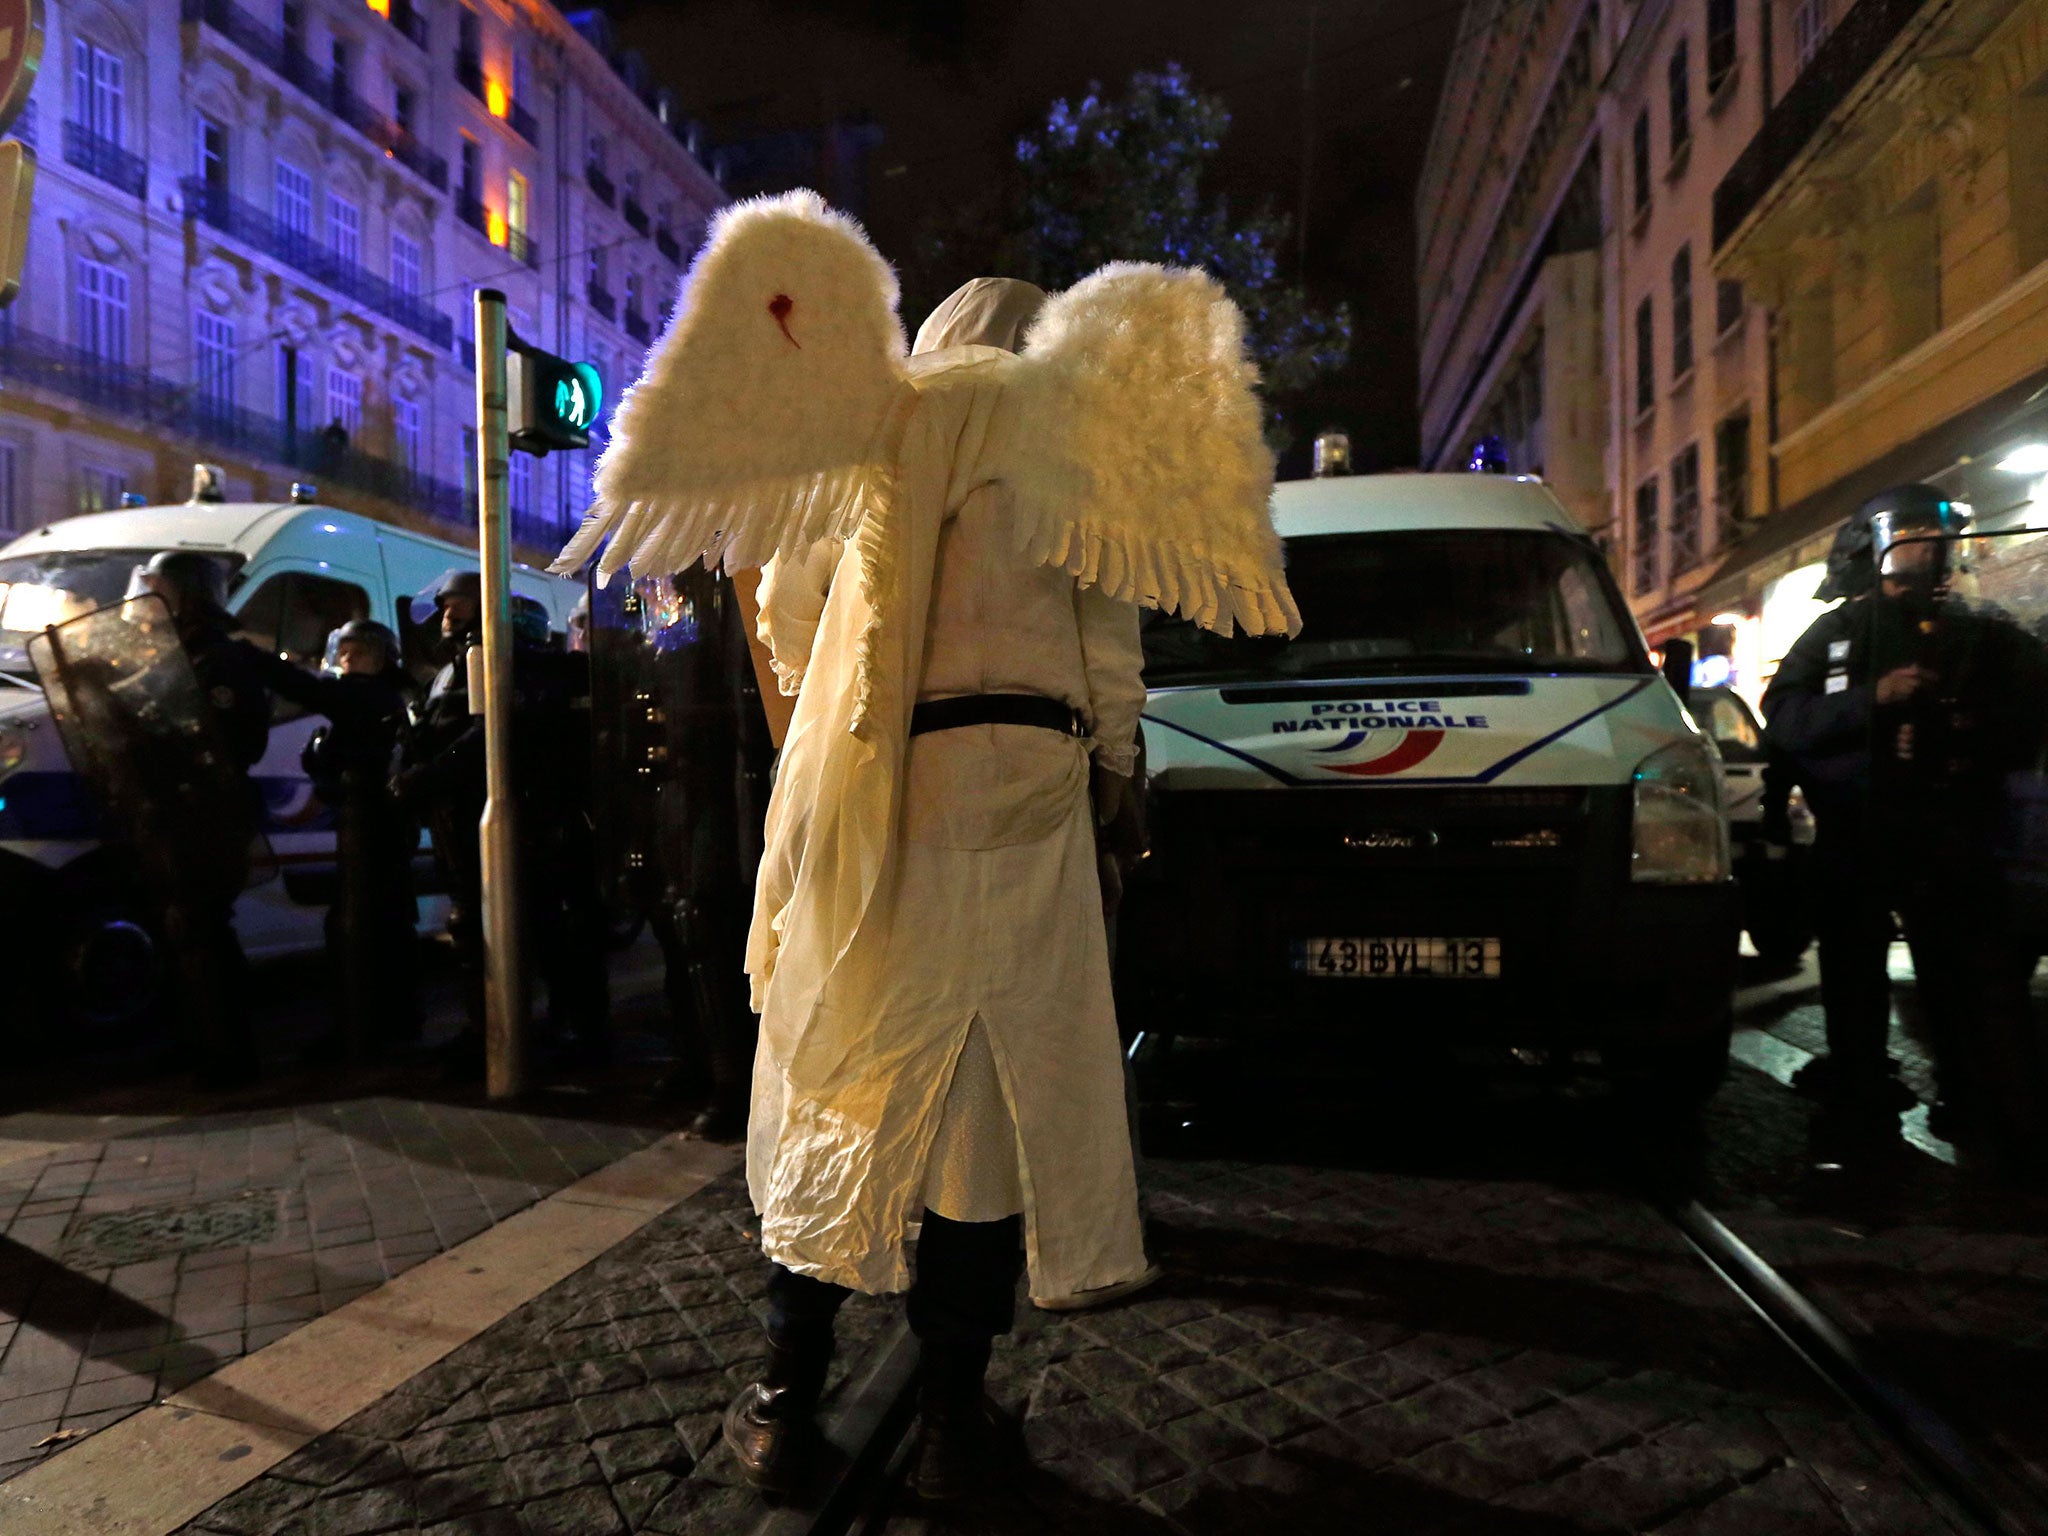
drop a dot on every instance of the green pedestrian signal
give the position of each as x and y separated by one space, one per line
550 402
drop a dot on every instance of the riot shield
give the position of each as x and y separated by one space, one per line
680 767
129 711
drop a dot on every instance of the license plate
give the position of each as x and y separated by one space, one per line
1363 959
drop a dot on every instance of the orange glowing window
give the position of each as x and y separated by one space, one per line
382 8
497 98
496 221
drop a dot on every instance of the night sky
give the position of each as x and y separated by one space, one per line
950 83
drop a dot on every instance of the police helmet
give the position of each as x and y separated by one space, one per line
198 584
1904 511
529 624
457 582
365 631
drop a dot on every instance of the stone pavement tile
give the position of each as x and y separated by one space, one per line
171 1316
589 1442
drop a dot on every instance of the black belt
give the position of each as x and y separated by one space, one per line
996 709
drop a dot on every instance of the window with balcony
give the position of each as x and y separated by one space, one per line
100 487
1639 162
408 435
1646 359
1721 44
210 152
1645 566
1731 472
469 52
405 264
101 311
94 135
345 401
1678 98
1681 314
294 375
213 363
345 229
1687 546
291 202
1728 305
518 213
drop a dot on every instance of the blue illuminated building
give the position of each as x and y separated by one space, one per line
258 224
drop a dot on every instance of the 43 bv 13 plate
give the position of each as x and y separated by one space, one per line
1373 959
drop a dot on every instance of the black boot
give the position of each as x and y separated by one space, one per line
769 1425
954 1425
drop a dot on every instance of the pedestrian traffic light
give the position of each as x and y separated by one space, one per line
550 402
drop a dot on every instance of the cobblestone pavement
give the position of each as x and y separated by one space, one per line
1345 1351
131 1267
1944 1269
1337 1348
591 1411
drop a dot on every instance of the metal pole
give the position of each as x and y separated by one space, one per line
504 982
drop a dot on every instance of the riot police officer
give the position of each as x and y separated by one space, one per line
441 780
212 865
1903 713
365 695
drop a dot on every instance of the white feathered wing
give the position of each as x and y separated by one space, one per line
1139 465
760 422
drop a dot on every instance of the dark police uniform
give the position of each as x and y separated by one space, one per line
1906 800
213 867
370 926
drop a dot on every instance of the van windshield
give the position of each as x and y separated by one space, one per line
37 591
1414 601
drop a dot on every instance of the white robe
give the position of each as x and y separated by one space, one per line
916 886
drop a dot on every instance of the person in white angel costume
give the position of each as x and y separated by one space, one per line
956 543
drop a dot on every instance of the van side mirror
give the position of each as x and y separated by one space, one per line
1678 668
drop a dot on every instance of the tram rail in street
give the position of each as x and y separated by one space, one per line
871 1442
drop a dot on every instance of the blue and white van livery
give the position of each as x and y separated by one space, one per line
68 913
1461 809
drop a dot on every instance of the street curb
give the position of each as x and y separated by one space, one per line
154 1471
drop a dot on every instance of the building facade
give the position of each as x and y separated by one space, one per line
1892 213
258 226
1508 225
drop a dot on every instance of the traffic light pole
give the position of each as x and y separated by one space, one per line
505 1000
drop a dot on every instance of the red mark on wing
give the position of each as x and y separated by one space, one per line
1413 749
779 307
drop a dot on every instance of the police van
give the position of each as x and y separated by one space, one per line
1462 813
69 911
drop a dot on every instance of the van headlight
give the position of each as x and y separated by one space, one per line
13 747
1681 837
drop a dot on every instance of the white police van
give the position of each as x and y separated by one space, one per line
70 917
1460 813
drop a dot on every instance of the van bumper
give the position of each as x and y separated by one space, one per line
1590 960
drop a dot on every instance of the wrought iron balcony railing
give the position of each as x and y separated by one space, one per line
665 243
103 158
602 301
523 246
523 123
470 209
186 411
1857 43
636 216
600 183
288 58
257 229
636 326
